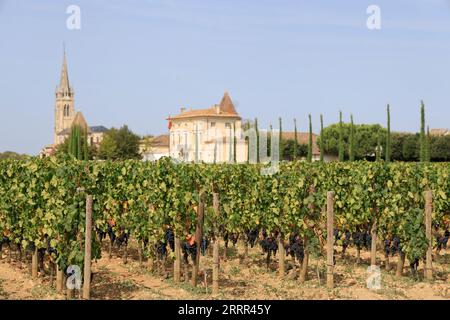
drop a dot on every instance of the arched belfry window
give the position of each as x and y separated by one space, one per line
66 110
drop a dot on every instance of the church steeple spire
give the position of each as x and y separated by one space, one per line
64 81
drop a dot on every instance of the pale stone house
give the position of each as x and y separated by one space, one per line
66 116
154 148
439 132
208 135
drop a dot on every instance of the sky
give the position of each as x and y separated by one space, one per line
137 62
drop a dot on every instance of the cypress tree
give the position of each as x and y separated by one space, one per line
388 137
352 140
295 140
280 151
423 151
321 139
310 140
428 145
78 144
257 140
378 149
341 138
85 148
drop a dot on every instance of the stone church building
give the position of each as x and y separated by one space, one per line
66 116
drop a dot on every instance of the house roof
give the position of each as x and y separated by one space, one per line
80 121
98 129
226 105
303 138
439 132
225 109
159 141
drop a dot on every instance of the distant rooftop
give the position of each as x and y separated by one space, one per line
93 129
224 109
98 129
439 132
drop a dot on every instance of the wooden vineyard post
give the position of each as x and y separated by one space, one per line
225 249
387 263
304 266
373 251
281 255
330 239
52 274
59 280
177 262
151 258
70 294
125 253
245 248
140 253
186 272
429 257
110 247
87 250
216 259
198 238
34 263
400 263
9 253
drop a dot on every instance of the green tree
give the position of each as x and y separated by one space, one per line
310 140
13 155
120 144
257 140
352 140
427 146
77 144
295 140
341 138
411 147
365 138
388 136
440 148
379 149
289 146
321 139
423 147
281 149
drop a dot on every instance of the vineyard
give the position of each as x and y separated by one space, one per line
177 213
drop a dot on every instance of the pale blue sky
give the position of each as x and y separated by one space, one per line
136 62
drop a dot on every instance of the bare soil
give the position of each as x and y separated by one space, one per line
240 278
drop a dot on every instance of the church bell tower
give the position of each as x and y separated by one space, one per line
64 104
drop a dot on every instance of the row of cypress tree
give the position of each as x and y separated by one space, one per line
424 139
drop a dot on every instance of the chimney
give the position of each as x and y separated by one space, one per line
217 108
183 109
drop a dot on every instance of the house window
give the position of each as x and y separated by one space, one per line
227 125
213 124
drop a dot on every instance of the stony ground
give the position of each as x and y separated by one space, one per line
241 278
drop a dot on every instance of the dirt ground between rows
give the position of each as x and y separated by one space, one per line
241 278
